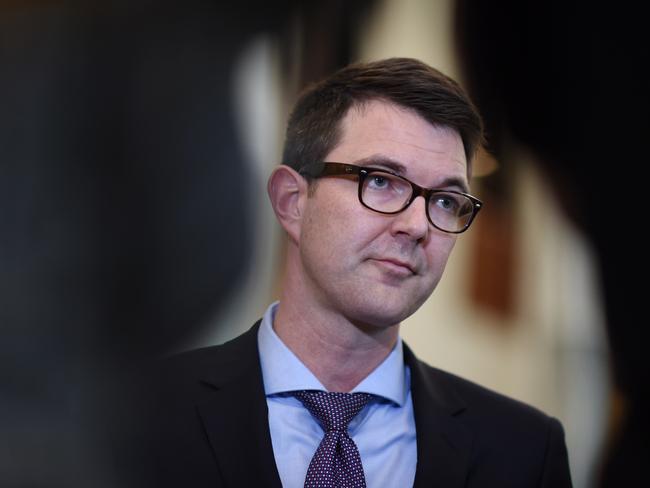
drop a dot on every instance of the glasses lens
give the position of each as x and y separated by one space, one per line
450 211
385 192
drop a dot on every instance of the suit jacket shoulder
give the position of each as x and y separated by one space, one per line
209 424
490 439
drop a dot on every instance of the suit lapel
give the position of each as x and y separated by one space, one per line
235 416
443 442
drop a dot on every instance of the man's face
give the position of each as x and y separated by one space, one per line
373 268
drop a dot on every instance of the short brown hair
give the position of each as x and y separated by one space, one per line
314 125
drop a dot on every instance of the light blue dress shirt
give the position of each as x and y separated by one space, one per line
384 431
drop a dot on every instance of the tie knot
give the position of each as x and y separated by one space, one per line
333 410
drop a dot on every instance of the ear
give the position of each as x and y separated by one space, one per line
288 191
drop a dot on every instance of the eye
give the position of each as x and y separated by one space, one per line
447 202
378 182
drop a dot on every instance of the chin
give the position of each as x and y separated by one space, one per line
378 305
381 315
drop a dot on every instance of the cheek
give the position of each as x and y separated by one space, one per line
340 224
322 237
438 251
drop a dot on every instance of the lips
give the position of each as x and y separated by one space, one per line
396 265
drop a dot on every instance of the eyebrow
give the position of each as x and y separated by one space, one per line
389 163
398 168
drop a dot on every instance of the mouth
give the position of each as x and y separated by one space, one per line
396 266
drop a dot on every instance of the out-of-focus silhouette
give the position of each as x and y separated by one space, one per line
123 210
564 79
124 198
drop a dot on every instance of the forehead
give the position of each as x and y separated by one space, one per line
383 131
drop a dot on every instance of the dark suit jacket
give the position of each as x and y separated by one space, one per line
212 427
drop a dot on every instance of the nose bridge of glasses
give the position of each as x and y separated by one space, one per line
418 191
412 200
416 210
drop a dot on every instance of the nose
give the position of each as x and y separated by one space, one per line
413 220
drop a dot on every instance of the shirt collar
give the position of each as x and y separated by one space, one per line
283 371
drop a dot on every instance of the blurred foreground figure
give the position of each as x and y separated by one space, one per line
373 193
564 79
123 222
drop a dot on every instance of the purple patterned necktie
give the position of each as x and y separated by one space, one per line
337 462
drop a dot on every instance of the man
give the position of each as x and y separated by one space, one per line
372 195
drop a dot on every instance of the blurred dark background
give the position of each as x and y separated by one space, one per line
122 225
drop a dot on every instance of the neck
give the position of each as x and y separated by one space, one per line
337 351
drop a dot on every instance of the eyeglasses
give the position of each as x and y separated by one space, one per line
388 193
